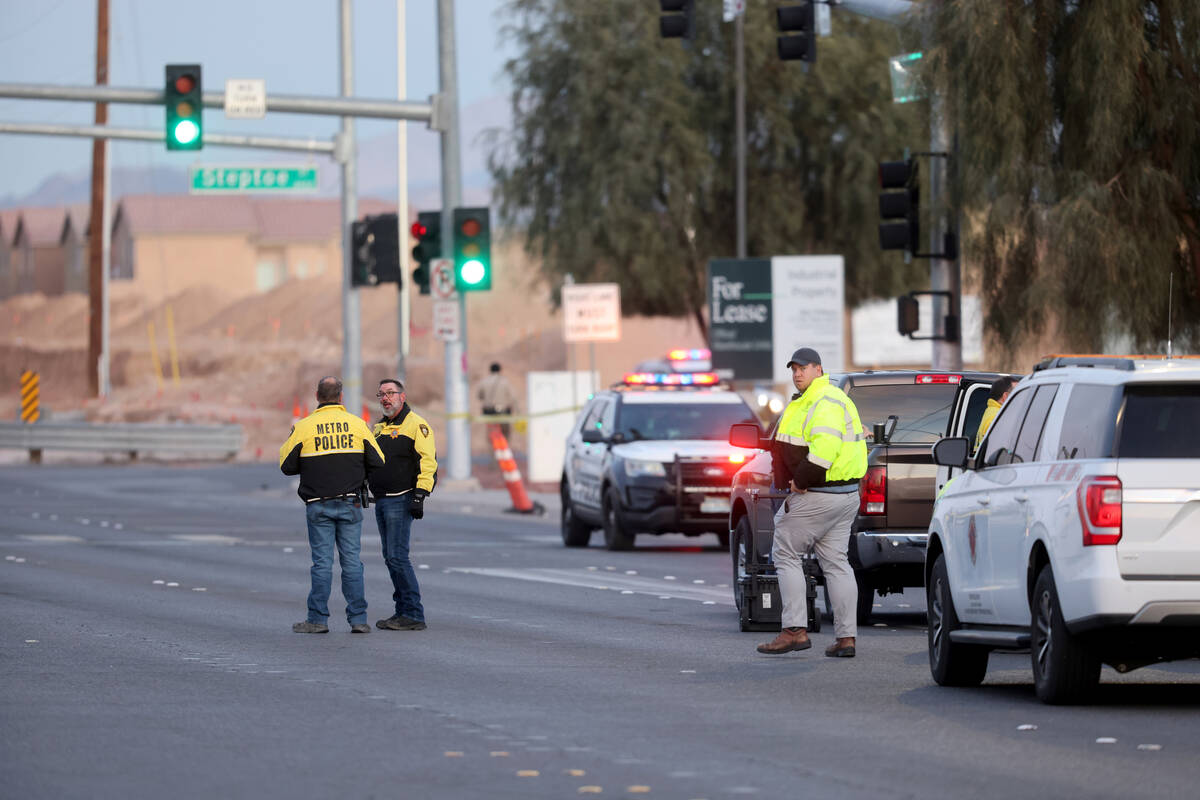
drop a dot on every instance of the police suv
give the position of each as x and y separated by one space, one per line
650 455
1074 531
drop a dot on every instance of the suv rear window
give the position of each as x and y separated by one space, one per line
923 409
680 420
1160 421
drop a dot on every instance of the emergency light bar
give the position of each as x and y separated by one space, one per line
671 379
938 379
699 354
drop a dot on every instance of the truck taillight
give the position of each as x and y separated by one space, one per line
872 491
1099 498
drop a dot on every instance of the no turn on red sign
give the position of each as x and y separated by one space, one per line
591 312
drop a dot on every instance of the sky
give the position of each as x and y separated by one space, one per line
291 44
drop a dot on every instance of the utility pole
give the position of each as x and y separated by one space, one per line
740 115
458 428
97 279
347 150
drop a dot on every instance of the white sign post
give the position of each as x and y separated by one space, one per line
245 98
592 312
445 320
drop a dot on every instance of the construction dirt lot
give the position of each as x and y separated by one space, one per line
254 359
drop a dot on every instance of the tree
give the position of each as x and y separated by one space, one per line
1079 162
621 161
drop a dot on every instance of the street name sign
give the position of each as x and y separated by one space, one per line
591 312
224 180
245 98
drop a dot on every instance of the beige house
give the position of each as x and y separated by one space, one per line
39 255
8 230
243 245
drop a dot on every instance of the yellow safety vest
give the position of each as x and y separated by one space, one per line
824 420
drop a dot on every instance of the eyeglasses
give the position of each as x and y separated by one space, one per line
381 395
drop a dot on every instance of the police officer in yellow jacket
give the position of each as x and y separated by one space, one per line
400 489
333 452
819 453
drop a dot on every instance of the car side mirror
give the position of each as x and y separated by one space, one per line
746 434
952 451
592 436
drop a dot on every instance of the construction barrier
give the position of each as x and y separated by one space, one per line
512 474
30 409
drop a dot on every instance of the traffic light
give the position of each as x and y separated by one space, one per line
184 106
385 247
908 315
799 24
427 233
677 20
899 227
472 250
374 251
362 261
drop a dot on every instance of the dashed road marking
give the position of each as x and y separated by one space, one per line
575 773
590 789
1027 727
1106 740
1139 747
638 789
205 538
499 754
528 773
453 754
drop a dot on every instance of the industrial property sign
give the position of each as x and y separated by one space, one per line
591 312
761 310
223 180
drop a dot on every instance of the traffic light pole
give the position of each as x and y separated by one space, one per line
347 156
458 429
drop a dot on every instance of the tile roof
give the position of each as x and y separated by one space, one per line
181 213
292 219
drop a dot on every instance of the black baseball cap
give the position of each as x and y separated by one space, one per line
804 356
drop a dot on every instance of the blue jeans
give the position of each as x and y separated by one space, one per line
391 513
335 522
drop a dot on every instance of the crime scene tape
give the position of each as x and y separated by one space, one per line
520 422
30 410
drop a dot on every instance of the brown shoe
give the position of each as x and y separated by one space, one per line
842 648
789 639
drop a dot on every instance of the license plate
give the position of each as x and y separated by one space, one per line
714 505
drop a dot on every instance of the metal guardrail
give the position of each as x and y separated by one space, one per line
122 437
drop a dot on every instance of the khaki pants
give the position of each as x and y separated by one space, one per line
820 520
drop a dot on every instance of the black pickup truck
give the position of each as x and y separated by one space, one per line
904 412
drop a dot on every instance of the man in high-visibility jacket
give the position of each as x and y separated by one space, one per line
819 454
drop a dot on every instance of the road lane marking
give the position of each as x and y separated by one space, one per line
205 538
528 773
51 538
572 577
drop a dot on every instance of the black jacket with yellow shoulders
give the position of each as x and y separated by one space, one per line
332 451
407 441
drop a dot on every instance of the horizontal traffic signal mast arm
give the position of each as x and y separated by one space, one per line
146 135
285 103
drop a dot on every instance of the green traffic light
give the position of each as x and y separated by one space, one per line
473 271
186 131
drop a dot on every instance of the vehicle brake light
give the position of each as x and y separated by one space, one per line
938 379
872 491
1099 499
737 458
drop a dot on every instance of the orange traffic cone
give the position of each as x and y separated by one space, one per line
512 475
366 413
296 411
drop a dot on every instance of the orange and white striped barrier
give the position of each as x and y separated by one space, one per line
512 474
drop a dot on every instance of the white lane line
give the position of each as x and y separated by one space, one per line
172 583
51 538
205 538
584 580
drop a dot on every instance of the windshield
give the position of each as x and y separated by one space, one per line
680 420
923 409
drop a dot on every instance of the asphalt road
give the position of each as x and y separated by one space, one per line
147 651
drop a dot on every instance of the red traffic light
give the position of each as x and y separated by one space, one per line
418 230
184 84
470 227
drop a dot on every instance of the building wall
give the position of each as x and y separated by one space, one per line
49 269
166 264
